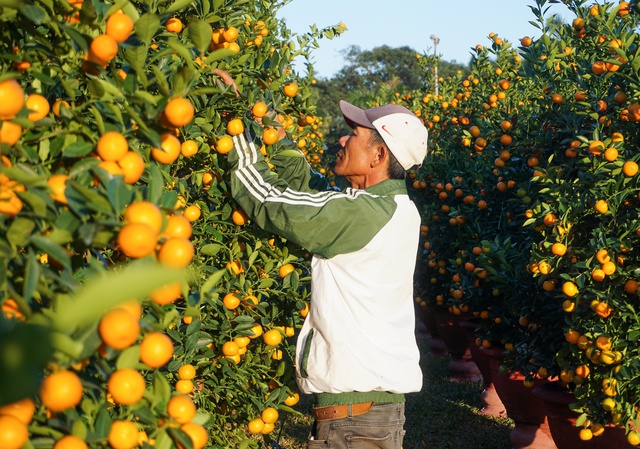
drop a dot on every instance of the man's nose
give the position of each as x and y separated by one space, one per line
343 141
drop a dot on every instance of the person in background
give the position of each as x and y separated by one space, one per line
357 351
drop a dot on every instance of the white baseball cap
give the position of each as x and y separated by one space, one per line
401 130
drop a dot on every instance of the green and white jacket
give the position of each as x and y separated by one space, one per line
359 334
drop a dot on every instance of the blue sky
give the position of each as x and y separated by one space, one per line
459 25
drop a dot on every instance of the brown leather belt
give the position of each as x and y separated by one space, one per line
341 411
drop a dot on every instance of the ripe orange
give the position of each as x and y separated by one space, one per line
559 249
230 348
57 105
123 435
176 252
112 146
602 206
169 150
570 289
630 168
156 350
10 133
231 301
292 399
173 25
255 426
230 34
272 337
137 240
126 386
177 227
224 144
70 442
187 372
597 275
61 390
22 409
104 47
181 408
119 329
256 330
585 434
144 212
526 41
609 268
286 269
119 26
192 213
269 415
39 107
290 90
179 112
239 217
259 109
189 148
270 136
167 293
631 286
602 256
234 127
11 99
132 165
13 433
132 306
184 386
633 438
198 434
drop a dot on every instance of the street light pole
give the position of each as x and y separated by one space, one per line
436 41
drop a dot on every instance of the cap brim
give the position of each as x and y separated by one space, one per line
353 115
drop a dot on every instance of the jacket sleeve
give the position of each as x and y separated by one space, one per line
292 166
326 223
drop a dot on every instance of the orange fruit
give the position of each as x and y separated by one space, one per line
104 47
290 90
597 275
585 434
631 286
611 154
167 293
235 127
11 99
70 442
123 435
602 256
255 426
269 415
259 109
156 350
256 330
286 269
198 434
192 213
22 409
559 249
630 168
126 386
111 167
132 306
61 390
119 26
231 301
292 399
176 252
239 217
112 146
119 329
137 240
242 342
270 136
178 226
144 212
169 150
10 203
13 433
633 438
526 41
186 372
132 165
570 289
39 107
609 268
173 25
179 112
230 348
224 144
272 337
189 148
57 105
602 206
181 408
10 133
230 34
184 386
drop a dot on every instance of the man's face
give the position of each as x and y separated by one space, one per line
354 159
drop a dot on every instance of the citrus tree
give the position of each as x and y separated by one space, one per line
151 310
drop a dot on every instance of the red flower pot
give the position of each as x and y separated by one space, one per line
461 366
562 422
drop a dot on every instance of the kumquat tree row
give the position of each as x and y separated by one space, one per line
140 307
530 198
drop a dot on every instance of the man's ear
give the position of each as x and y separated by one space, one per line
381 154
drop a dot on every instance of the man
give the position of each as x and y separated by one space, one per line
357 351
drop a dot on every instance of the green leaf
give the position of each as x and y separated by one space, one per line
34 13
156 184
31 276
20 230
200 34
136 57
54 250
120 194
77 39
103 422
85 197
77 149
178 5
213 280
210 249
102 293
161 388
146 27
129 358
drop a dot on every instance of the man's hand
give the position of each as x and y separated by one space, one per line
227 79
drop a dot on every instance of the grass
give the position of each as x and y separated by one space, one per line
443 415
